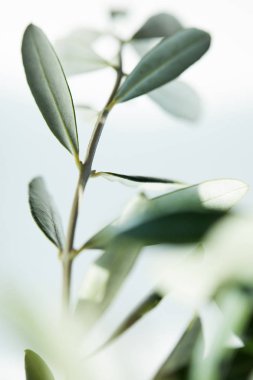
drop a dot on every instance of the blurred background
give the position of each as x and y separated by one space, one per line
139 138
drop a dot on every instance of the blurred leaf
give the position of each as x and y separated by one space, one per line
83 35
236 309
101 239
45 213
160 25
105 278
76 52
178 99
181 216
210 317
36 368
180 357
49 87
181 228
141 310
238 364
142 47
118 13
31 322
87 113
165 62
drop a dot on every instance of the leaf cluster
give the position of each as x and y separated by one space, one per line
182 215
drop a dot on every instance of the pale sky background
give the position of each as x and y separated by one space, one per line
138 139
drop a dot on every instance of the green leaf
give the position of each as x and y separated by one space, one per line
76 53
165 62
178 99
83 35
180 228
181 216
49 87
136 180
160 25
105 278
181 354
36 368
141 310
45 213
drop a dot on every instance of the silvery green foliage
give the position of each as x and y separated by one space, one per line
77 54
184 214
180 216
45 213
49 87
178 99
175 98
165 62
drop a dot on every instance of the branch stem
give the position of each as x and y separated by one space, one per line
84 174
67 266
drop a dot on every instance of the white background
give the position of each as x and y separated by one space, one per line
138 139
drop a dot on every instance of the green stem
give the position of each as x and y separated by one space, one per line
84 174
66 283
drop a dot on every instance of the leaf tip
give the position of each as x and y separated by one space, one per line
35 180
31 28
28 354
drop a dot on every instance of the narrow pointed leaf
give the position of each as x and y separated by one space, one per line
141 310
49 87
165 62
45 213
181 354
36 368
181 216
77 54
136 180
105 278
178 99
160 25
150 186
